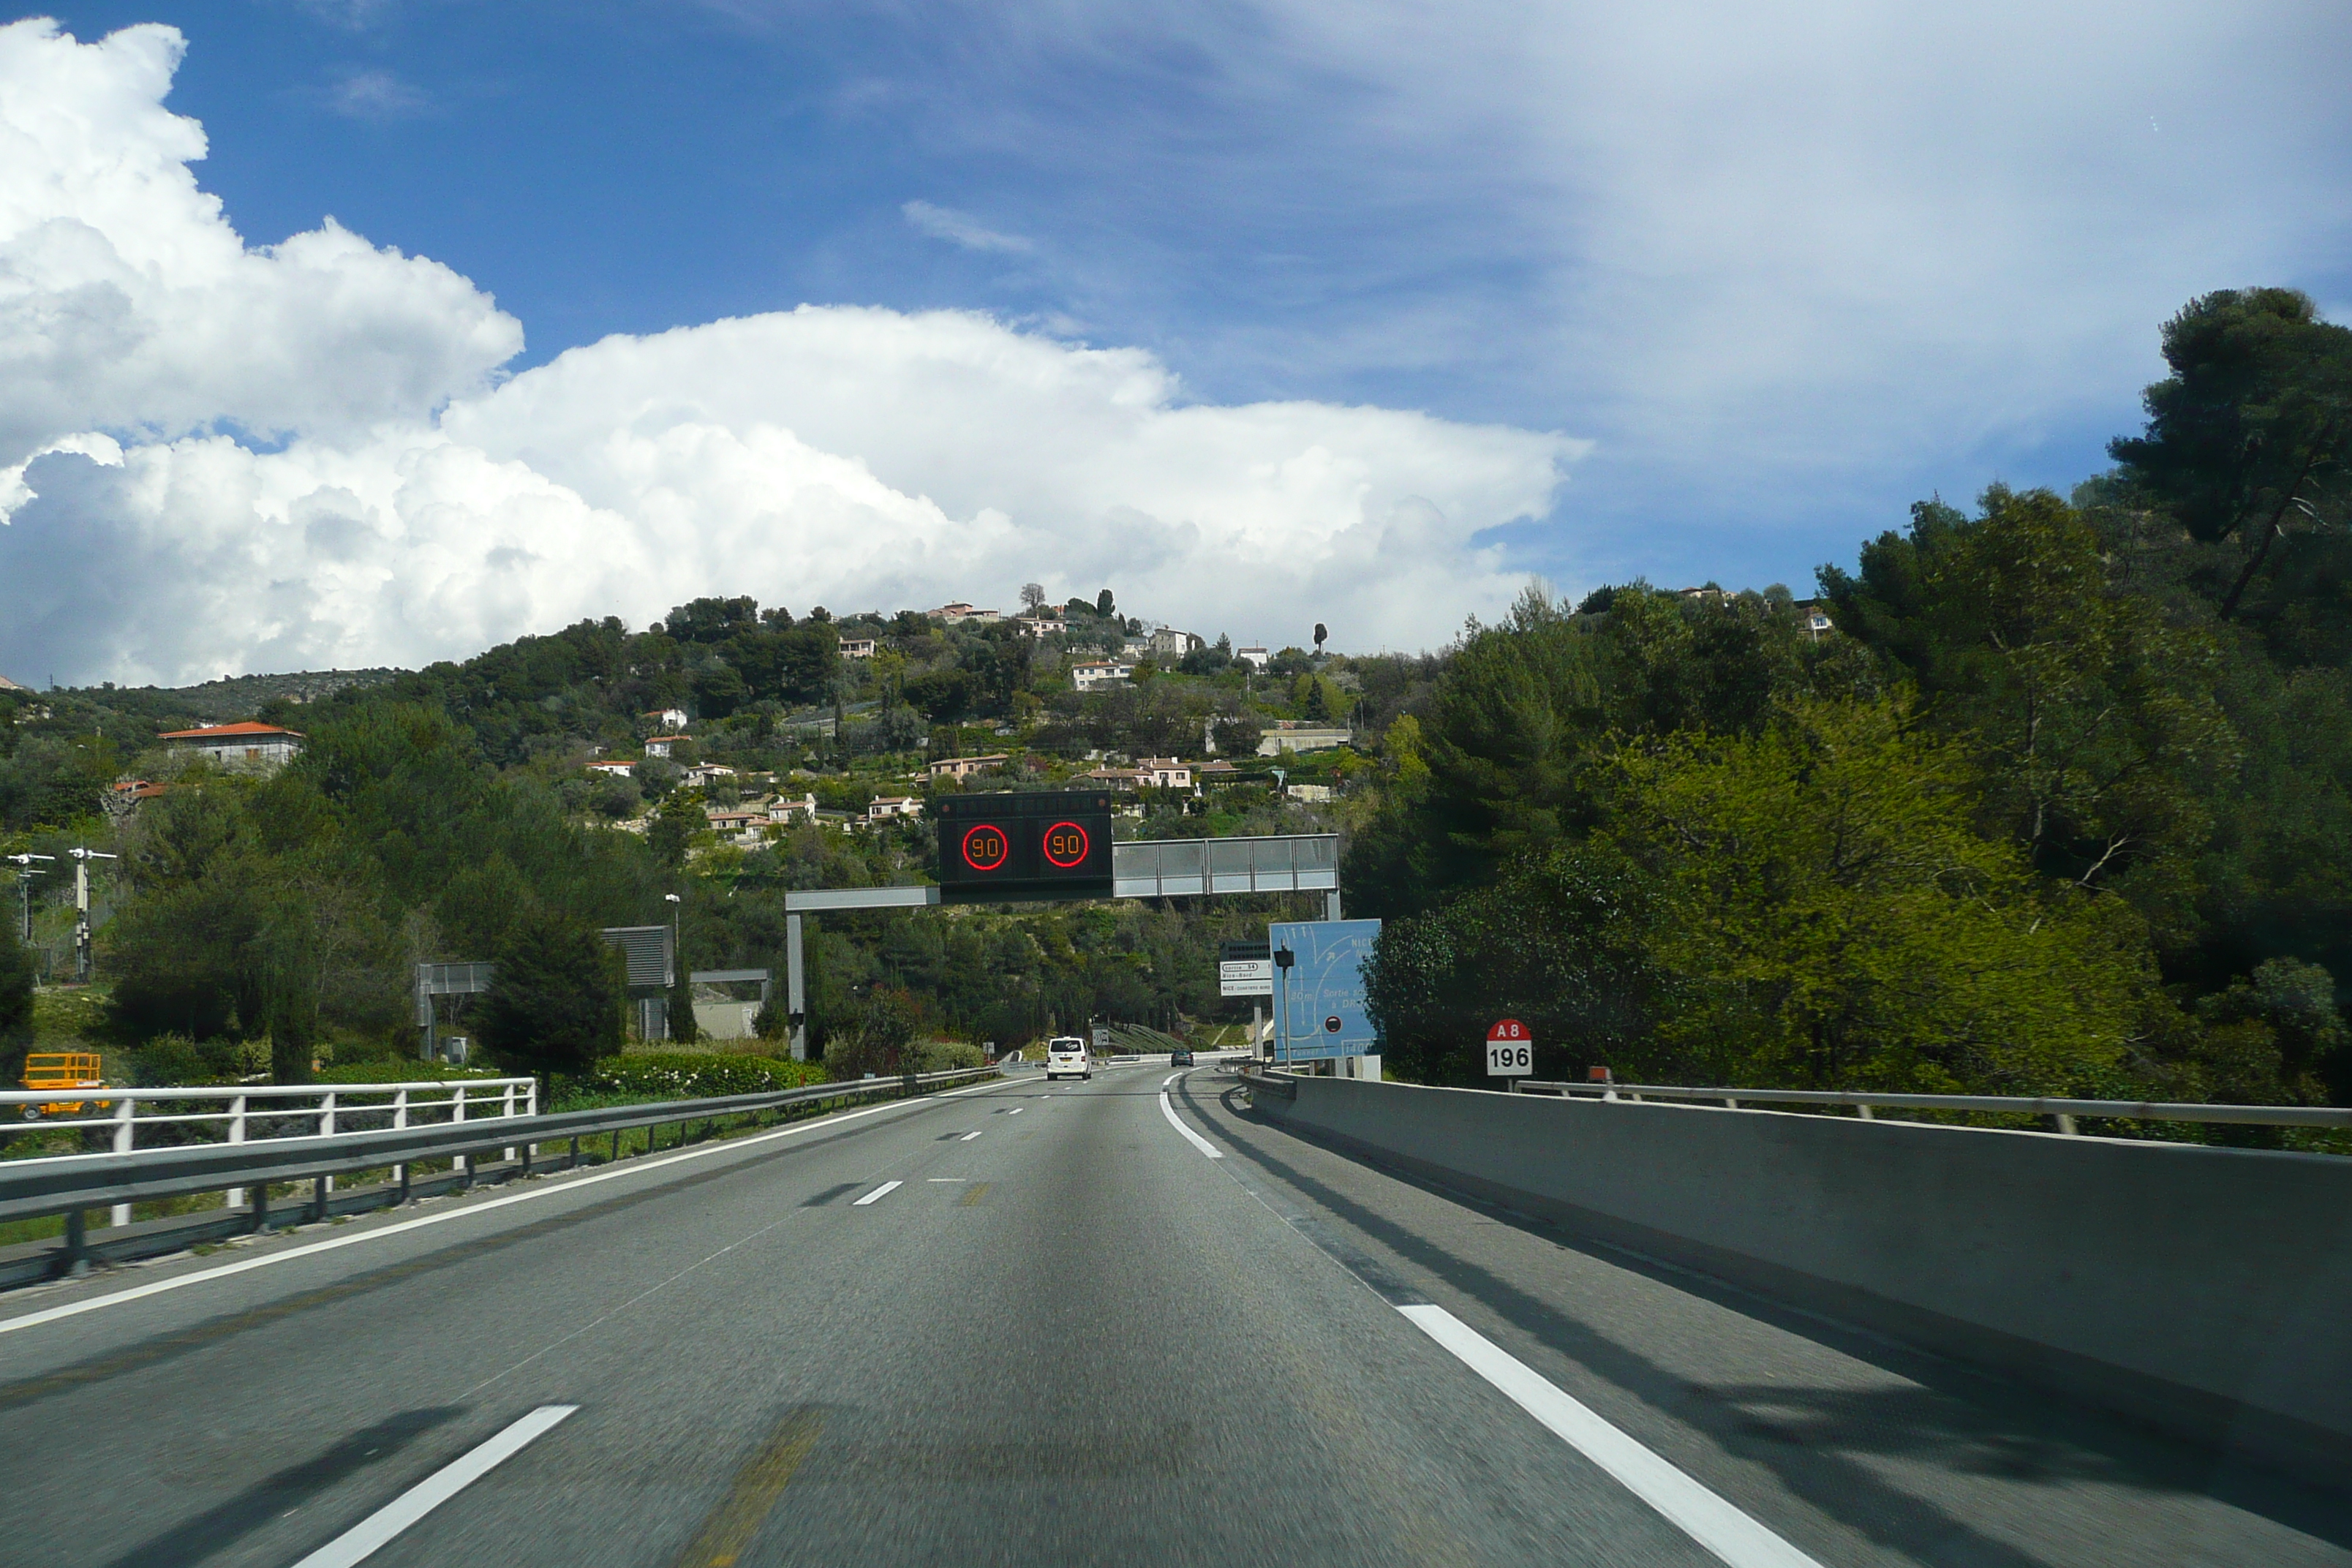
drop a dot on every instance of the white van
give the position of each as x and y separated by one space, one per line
1066 1054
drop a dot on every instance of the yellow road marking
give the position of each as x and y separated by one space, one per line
758 1485
973 1196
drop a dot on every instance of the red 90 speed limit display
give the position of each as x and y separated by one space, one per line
1065 844
1039 844
986 847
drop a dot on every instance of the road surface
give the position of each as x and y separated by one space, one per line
1034 1324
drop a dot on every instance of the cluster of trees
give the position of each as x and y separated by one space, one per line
2064 806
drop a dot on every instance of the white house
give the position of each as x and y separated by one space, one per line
884 807
617 770
1255 658
1164 773
780 810
667 718
1169 643
1044 626
858 647
1087 674
964 767
704 774
248 747
1815 619
659 746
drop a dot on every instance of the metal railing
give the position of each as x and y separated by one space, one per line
70 1184
2065 1113
253 1111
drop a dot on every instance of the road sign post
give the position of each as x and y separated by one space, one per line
1510 1051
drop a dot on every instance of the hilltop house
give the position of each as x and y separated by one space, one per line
248 747
665 718
858 647
884 807
1087 674
1169 643
659 746
964 767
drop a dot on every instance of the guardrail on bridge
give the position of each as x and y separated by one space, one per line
72 1183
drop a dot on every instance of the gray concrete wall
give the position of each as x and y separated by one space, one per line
2206 1290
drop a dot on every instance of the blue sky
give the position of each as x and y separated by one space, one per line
1786 267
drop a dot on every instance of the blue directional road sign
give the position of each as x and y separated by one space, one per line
1319 996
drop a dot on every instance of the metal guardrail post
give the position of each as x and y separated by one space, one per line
77 1251
326 1130
236 1135
507 1108
464 1164
124 1134
400 1120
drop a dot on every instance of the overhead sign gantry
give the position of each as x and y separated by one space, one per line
1025 847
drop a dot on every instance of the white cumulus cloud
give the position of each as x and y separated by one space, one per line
416 507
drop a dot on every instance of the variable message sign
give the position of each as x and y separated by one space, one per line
1038 843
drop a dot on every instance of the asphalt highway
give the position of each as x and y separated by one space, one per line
1035 1323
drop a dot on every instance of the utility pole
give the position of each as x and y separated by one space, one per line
82 858
26 872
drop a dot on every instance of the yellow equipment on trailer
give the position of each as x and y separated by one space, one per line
62 1070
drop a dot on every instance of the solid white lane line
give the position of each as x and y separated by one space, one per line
1014 1111
884 1191
947 1178
1202 1144
967 1137
361 1539
1172 1078
1688 1505
570 1184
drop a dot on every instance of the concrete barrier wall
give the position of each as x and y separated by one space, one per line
2206 1290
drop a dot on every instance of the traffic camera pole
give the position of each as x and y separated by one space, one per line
26 872
82 858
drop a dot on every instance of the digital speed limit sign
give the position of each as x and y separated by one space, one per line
1066 844
987 847
1036 844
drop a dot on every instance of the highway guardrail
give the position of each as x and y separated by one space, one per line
72 1183
2066 1113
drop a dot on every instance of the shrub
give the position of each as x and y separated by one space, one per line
403 1071
695 1075
946 1055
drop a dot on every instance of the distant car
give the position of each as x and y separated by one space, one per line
1180 1058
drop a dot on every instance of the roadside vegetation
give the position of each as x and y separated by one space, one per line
2052 794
